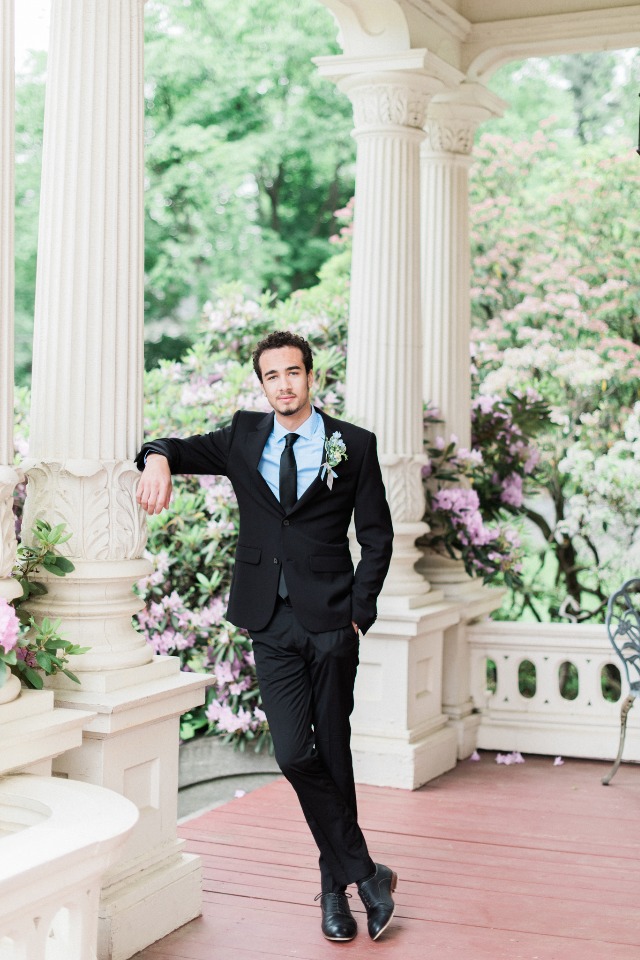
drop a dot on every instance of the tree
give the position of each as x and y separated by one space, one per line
556 310
248 150
248 153
29 125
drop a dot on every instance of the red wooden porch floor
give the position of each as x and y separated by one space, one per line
523 862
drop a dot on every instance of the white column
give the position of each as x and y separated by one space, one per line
384 376
400 733
9 685
446 270
86 427
446 278
86 411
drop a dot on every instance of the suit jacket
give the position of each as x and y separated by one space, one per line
311 539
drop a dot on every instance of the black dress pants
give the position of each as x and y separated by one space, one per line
306 682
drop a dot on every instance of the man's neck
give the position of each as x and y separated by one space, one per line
295 420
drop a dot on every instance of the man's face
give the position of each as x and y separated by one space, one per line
285 381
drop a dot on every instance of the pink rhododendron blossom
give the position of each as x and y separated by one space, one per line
510 758
511 493
9 626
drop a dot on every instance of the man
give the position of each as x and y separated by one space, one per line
299 476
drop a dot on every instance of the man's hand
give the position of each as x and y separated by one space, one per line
355 626
154 486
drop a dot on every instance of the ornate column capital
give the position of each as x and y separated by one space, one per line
96 499
454 116
9 479
392 101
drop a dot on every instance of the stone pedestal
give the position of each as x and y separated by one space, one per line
401 735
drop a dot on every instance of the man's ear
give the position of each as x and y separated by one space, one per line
310 379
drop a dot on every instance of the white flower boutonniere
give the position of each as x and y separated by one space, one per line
336 451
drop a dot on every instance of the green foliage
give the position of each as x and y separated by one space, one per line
248 155
29 127
41 650
248 150
556 311
473 495
192 545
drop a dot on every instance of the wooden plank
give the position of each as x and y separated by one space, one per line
495 863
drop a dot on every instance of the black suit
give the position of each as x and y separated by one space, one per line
306 652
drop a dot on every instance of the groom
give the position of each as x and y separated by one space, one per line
299 477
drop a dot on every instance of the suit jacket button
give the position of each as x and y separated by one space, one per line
275 560
285 523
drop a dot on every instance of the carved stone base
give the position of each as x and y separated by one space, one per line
95 604
404 578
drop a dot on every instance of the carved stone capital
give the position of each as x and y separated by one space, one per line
403 482
452 135
391 102
9 479
96 500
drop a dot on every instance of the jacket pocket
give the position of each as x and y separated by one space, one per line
330 564
248 554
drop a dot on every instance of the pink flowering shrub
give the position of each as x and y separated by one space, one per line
555 311
9 628
472 522
192 545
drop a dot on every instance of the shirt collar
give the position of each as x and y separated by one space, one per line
311 426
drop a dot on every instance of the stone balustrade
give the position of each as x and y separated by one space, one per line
547 722
57 838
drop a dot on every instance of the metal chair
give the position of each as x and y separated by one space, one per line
623 627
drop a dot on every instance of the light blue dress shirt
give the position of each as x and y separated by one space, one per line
308 451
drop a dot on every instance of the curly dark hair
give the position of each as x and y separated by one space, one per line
278 339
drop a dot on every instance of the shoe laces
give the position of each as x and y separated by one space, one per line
334 895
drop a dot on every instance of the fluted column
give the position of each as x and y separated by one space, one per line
9 686
384 375
446 157
86 413
451 123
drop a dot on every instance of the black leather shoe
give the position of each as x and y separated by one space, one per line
375 892
338 923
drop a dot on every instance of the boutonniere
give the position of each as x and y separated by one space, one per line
336 451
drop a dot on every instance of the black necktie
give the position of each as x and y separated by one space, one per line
288 490
288 473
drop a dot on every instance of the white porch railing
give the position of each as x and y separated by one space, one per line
547 723
57 838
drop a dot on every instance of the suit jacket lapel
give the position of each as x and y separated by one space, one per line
255 444
317 484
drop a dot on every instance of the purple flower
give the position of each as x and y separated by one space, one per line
9 626
511 493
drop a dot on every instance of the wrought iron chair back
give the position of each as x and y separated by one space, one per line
623 627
